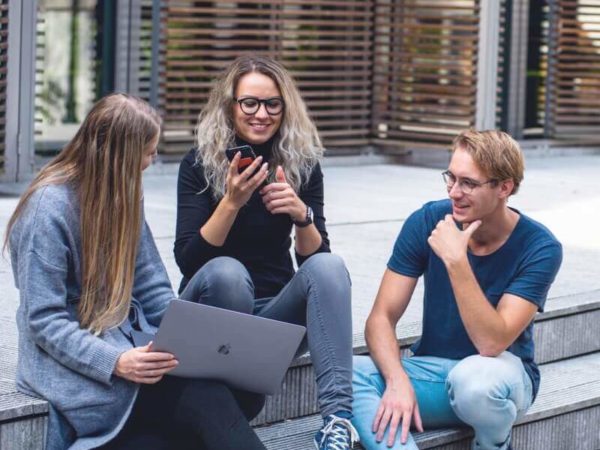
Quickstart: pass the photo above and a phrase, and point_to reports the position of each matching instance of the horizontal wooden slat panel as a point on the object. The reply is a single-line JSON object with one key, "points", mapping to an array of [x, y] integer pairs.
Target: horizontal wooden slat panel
{"points": [[269, 22], [409, 67], [244, 43], [426, 66], [582, 90], [279, 53], [219, 65], [576, 66], [418, 133], [199, 13], [326, 45], [303, 33], [407, 75]]}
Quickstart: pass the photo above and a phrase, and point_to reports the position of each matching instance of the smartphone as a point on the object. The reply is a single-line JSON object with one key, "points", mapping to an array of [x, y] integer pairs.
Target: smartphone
{"points": [[247, 156]]}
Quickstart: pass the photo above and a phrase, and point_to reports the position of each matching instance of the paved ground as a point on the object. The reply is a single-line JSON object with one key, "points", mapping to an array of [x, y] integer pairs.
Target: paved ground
{"points": [[367, 204]]}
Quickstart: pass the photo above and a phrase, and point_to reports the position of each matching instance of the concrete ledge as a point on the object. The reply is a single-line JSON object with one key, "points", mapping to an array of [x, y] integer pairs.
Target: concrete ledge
{"points": [[565, 415], [567, 328], [24, 434], [14, 405]]}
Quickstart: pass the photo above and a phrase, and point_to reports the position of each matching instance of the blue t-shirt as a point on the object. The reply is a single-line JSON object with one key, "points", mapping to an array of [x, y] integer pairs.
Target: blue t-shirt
{"points": [[525, 265]]}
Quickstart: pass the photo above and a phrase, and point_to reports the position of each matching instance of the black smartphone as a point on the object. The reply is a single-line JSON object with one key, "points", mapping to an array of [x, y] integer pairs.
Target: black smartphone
{"points": [[247, 156]]}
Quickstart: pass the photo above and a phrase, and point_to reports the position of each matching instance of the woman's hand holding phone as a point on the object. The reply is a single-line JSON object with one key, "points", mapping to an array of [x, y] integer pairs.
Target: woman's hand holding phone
{"points": [[241, 185]]}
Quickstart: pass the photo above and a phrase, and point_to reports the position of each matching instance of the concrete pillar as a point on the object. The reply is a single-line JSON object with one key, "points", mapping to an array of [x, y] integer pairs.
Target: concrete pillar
{"points": [[20, 91], [487, 65]]}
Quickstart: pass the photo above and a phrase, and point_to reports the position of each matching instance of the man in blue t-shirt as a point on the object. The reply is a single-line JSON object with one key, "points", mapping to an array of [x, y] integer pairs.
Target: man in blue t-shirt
{"points": [[487, 269]]}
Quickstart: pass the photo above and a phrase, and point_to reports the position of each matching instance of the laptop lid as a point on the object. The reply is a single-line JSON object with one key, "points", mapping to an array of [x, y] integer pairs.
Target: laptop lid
{"points": [[245, 351]]}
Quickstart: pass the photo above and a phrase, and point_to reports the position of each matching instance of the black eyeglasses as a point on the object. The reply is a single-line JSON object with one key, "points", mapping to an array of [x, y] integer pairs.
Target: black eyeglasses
{"points": [[466, 185], [250, 105]]}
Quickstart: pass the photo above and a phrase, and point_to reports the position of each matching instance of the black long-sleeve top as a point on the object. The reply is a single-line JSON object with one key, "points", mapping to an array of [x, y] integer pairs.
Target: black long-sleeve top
{"points": [[258, 239]]}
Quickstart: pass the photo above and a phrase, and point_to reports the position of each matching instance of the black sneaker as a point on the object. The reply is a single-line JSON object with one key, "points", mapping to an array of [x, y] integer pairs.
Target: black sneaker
{"points": [[337, 434]]}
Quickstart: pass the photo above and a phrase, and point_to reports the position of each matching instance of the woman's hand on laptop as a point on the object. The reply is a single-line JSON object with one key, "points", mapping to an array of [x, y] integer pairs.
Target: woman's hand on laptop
{"points": [[142, 365]]}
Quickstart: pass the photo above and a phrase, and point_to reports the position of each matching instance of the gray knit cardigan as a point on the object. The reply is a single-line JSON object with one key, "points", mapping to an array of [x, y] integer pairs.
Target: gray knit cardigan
{"points": [[58, 360]]}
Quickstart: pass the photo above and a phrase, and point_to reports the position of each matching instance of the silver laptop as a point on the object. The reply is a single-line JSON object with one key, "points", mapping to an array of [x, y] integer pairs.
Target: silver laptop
{"points": [[246, 352]]}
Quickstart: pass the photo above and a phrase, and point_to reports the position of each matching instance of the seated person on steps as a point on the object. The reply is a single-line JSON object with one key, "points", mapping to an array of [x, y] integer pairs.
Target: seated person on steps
{"points": [[487, 270], [234, 227]]}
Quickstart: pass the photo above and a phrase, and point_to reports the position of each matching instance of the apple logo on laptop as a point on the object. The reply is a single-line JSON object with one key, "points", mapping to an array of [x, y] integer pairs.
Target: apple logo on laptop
{"points": [[224, 349]]}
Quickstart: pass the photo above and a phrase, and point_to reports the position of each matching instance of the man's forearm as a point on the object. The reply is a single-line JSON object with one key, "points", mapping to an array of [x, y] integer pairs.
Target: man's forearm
{"points": [[484, 325], [383, 348]]}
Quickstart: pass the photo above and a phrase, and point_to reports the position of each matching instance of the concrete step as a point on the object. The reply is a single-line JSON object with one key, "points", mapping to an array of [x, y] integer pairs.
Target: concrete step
{"points": [[565, 415], [23, 419], [567, 328]]}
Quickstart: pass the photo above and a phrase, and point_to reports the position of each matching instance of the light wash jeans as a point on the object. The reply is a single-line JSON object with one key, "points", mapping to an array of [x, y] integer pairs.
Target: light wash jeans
{"points": [[488, 394], [318, 297]]}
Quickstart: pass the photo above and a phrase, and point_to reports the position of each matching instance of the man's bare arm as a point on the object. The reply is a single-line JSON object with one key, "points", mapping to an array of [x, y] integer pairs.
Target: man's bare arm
{"points": [[492, 330], [398, 403]]}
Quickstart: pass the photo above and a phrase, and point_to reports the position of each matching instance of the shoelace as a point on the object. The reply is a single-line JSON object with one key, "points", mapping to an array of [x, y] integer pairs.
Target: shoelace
{"points": [[337, 430]]}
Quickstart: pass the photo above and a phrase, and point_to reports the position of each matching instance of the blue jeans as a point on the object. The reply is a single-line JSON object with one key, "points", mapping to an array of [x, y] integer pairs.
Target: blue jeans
{"points": [[318, 297], [488, 394]]}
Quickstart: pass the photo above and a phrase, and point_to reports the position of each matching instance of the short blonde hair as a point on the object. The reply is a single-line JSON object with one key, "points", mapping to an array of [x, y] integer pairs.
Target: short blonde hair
{"points": [[495, 152]]}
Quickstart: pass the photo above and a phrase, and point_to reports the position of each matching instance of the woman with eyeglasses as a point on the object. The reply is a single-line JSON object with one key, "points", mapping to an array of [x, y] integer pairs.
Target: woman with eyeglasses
{"points": [[234, 226]]}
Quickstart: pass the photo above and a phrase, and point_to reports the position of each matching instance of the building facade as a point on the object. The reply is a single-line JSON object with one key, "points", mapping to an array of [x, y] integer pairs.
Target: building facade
{"points": [[377, 75]]}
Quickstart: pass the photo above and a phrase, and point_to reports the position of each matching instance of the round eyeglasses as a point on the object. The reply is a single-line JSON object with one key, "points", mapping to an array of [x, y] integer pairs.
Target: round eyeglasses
{"points": [[466, 185], [250, 105]]}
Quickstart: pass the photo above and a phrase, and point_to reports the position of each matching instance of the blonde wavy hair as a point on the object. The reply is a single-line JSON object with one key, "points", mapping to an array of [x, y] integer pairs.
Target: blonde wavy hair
{"points": [[297, 147], [104, 164]]}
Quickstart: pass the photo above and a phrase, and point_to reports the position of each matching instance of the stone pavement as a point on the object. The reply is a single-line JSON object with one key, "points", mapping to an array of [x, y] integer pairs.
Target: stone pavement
{"points": [[366, 205]]}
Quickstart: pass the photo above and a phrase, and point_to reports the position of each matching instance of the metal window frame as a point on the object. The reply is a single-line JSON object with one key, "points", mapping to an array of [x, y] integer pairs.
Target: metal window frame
{"points": [[487, 65], [127, 47], [515, 88], [20, 92], [20, 158]]}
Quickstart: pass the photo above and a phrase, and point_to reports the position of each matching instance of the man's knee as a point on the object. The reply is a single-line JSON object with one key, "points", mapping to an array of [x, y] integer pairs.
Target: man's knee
{"points": [[479, 385]]}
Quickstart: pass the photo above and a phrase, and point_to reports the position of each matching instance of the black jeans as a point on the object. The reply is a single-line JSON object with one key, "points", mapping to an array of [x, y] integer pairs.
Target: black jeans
{"points": [[181, 414]]}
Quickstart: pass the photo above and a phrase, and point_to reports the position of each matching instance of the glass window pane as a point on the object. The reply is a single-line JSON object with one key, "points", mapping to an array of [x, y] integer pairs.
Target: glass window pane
{"points": [[67, 65]]}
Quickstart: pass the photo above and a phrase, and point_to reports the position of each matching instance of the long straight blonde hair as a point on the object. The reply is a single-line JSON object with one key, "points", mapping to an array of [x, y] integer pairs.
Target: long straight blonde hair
{"points": [[104, 164], [297, 147]]}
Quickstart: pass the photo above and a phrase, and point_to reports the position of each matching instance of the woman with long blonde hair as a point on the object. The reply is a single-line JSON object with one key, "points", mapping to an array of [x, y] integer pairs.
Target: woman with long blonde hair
{"points": [[88, 274], [234, 225]]}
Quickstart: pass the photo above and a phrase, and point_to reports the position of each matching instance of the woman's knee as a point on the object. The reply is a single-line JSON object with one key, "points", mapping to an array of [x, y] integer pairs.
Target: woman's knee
{"points": [[325, 263], [223, 282], [329, 271], [225, 272]]}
